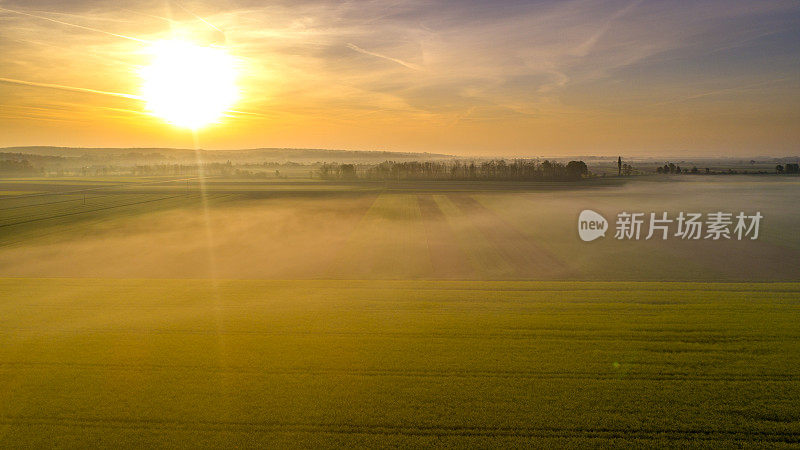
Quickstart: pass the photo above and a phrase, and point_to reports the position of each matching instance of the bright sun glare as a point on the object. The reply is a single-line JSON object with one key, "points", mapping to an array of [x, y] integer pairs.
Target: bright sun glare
{"points": [[189, 85]]}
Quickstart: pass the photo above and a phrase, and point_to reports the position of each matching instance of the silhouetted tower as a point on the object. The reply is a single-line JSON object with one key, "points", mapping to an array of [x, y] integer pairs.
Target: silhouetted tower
{"points": [[619, 165]]}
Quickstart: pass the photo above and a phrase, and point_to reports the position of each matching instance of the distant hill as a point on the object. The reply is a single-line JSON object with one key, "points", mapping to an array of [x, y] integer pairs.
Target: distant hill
{"points": [[174, 155]]}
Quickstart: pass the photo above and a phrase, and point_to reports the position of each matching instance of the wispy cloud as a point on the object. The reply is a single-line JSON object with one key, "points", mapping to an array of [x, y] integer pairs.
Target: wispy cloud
{"points": [[388, 58], [523, 70]]}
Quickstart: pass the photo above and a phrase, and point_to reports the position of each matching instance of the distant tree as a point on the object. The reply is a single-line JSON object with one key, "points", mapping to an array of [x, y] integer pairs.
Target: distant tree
{"points": [[779, 169], [577, 169], [17, 167], [501, 170], [547, 168], [659, 169], [792, 168], [347, 171], [627, 169], [619, 165], [694, 169], [326, 171], [678, 169], [671, 168]]}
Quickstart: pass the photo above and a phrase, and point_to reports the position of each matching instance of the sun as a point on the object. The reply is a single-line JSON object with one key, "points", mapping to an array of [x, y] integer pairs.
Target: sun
{"points": [[189, 85]]}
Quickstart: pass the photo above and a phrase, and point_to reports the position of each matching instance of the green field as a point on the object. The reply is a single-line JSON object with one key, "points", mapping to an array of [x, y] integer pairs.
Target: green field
{"points": [[308, 314], [196, 363]]}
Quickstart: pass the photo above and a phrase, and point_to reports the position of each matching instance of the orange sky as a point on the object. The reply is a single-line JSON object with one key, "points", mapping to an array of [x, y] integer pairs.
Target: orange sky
{"points": [[466, 77]]}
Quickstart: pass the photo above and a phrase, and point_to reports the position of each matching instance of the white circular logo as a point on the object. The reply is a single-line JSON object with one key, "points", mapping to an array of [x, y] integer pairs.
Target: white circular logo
{"points": [[591, 225]]}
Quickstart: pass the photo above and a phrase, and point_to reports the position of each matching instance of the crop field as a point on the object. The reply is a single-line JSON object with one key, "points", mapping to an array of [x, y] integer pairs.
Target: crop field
{"points": [[162, 312], [237, 362]]}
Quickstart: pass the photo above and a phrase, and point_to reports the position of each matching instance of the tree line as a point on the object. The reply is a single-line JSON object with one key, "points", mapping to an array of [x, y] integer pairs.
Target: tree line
{"points": [[18, 167], [671, 168], [789, 168], [500, 169]]}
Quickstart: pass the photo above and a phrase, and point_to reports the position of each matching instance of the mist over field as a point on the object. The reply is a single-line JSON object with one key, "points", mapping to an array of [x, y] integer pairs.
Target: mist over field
{"points": [[283, 232], [382, 224], [252, 312]]}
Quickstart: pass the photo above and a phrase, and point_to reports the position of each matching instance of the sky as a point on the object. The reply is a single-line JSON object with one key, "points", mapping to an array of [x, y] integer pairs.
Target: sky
{"points": [[465, 77]]}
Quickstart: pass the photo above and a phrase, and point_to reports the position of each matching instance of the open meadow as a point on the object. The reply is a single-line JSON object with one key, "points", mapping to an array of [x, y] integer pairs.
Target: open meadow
{"points": [[305, 313]]}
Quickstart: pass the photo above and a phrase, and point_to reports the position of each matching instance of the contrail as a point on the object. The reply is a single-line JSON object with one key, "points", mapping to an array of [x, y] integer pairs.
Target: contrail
{"points": [[68, 88], [130, 111], [74, 25], [29, 117], [165, 19], [86, 17], [103, 58], [67, 113], [587, 46], [721, 91], [248, 113], [197, 17], [388, 58]]}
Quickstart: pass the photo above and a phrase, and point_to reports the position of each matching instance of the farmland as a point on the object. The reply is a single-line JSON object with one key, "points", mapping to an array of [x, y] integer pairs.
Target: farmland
{"points": [[160, 228], [191, 362], [309, 313]]}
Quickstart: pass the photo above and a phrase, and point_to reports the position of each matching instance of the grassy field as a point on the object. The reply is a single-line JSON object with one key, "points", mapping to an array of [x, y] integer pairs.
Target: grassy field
{"points": [[312, 314], [194, 363]]}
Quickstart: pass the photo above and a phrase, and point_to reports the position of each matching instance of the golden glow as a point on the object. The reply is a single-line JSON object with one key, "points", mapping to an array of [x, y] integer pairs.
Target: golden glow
{"points": [[189, 85], [594, 81]]}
